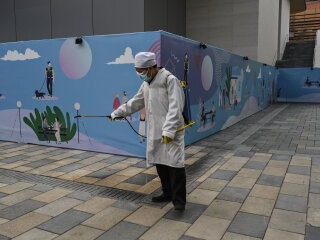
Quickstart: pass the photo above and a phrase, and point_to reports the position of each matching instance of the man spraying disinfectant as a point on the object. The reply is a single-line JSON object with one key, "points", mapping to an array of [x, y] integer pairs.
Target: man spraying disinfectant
{"points": [[162, 96]]}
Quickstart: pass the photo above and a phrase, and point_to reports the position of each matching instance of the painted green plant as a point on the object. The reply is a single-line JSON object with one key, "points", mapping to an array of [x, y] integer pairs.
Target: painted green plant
{"points": [[228, 81], [67, 131]]}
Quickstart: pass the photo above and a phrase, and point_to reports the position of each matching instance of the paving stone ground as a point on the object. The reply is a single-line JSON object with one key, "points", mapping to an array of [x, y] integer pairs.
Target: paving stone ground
{"points": [[256, 180]]}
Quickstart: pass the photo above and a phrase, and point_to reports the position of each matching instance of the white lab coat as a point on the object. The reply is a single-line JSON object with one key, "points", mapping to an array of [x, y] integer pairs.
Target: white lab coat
{"points": [[163, 100]]}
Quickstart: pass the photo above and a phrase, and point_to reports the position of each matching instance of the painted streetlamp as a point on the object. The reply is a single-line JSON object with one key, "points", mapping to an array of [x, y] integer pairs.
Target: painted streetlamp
{"points": [[77, 107], [19, 107]]}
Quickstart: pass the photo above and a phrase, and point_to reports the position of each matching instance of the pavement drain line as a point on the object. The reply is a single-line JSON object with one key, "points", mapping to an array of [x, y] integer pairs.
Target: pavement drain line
{"points": [[193, 172], [93, 190], [241, 138]]}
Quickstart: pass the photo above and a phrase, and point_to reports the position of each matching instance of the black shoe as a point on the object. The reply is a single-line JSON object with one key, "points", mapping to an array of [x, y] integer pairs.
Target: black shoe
{"points": [[179, 207], [161, 198]]}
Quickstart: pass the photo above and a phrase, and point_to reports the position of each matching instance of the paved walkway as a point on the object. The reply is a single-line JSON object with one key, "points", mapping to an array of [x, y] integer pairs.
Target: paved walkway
{"points": [[259, 179]]}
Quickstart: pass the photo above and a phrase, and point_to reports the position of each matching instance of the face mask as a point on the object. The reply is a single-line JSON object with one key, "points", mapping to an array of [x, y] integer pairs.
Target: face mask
{"points": [[144, 77]]}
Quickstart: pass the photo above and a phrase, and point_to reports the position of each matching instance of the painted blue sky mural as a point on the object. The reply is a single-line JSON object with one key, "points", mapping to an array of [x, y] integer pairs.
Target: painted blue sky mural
{"points": [[94, 78], [299, 85]]}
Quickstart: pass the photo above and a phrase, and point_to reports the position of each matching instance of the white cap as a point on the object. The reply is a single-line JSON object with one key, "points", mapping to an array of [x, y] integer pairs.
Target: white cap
{"points": [[144, 60]]}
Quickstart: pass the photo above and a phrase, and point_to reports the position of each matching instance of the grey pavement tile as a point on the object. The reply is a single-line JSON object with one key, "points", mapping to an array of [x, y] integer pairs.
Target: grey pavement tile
{"points": [[13, 145], [309, 152], [302, 170], [315, 161], [192, 186], [249, 224], [243, 148], [312, 233], [84, 155], [141, 179], [141, 164], [190, 215], [282, 152], [314, 200], [102, 173], [8, 180], [57, 152], [222, 161], [70, 167], [41, 188], [255, 165], [233, 194], [20, 209], [4, 238], [292, 203], [3, 195], [314, 187], [40, 163], [33, 149], [14, 159], [281, 157], [223, 174], [184, 237], [114, 159], [124, 231], [187, 155], [65, 221], [243, 154], [269, 180], [128, 205], [80, 195]]}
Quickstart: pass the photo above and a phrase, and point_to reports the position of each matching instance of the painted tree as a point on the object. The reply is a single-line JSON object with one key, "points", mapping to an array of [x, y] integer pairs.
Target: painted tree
{"points": [[35, 123]]}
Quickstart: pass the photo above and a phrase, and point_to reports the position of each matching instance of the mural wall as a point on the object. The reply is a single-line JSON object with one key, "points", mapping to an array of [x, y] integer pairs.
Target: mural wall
{"points": [[299, 85], [224, 88], [45, 84]]}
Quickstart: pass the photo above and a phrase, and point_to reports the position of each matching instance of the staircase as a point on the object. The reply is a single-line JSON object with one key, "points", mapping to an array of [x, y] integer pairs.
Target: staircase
{"points": [[297, 55]]}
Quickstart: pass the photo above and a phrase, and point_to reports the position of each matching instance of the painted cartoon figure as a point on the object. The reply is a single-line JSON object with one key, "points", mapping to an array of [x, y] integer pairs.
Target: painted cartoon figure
{"points": [[213, 112], [116, 101], [186, 68], [49, 74], [232, 97], [45, 128], [220, 98], [308, 82], [124, 98], [203, 114], [56, 127], [142, 125]]}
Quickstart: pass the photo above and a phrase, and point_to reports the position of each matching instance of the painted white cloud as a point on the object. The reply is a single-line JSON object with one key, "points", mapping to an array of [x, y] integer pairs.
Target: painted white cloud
{"points": [[248, 69], [16, 56], [259, 74], [126, 58]]}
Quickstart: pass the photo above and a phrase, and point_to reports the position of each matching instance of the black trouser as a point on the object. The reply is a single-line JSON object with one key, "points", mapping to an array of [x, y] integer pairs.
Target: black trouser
{"points": [[49, 86], [173, 182]]}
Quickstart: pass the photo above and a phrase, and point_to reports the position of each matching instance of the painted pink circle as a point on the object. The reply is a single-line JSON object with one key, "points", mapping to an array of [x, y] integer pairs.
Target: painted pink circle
{"points": [[75, 59], [206, 73]]}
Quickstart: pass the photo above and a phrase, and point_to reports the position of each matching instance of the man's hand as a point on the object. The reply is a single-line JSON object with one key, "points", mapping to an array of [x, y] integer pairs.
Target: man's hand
{"points": [[115, 118], [166, 139]]}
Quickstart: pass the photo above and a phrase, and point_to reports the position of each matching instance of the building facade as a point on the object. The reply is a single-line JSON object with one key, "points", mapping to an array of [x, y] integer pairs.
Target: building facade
{"points": [[258, 29]]}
